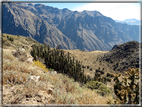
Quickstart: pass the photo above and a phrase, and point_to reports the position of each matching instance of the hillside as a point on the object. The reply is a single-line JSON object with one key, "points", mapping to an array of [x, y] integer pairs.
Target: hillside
{"points": [[53, 87], [87, 30], [50, 88], [123, 56], [119, 59]]}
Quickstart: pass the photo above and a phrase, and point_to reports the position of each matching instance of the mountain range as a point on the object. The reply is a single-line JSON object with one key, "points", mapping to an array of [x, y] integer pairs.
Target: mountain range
{"points": [[87, 30], [130, 21]]}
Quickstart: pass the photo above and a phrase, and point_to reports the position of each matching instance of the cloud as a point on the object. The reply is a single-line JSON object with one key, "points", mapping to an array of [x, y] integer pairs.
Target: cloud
{"points": [[117, 11]]}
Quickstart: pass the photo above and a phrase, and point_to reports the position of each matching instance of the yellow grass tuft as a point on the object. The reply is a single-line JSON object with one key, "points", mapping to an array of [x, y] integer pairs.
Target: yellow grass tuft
{"points": [[39, 64]]}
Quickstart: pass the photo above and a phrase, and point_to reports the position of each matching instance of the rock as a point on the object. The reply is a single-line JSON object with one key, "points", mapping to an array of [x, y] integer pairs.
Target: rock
{"points": [[50, 91], [29, 60], [38, 99], [22, 49], [53, 72], [34, 78], [51, 86]]}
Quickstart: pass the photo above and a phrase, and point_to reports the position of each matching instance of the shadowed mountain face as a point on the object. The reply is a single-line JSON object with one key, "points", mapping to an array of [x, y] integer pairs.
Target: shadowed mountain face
{"points": [[123, 56], [87, 30]]}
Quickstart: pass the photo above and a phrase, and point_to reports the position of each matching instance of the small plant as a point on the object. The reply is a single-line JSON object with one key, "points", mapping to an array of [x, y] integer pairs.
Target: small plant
{"points": [[88, 67], [108, 74], [83, 66], [10, 38], [38, 63], [50, 69], [108, 79], [102, 72]]}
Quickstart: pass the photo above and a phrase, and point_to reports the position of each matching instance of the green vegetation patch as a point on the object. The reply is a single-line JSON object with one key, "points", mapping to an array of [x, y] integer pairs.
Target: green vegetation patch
{"points": [[99, 86]]}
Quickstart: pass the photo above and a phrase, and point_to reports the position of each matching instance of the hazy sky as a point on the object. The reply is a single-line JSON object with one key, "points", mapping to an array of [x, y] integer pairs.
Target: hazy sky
{"points": [[117, 11]]}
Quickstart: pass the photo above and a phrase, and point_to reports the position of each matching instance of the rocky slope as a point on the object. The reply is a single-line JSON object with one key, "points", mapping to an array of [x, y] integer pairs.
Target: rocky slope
{"points": [[87, 30], [123, 56]]}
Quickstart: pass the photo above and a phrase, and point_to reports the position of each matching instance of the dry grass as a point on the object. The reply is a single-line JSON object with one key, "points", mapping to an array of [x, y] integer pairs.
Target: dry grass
{"points": [[14, 70], [7, 55], [16, 65], [69, 92], [66, 91], [14, 77]]}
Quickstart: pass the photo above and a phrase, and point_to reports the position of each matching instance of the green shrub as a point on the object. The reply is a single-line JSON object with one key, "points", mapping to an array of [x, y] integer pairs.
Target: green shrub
{"points": [[10, 38], [102, 72], [108, 74], [83, 66], [108, 79], [99, 86]]}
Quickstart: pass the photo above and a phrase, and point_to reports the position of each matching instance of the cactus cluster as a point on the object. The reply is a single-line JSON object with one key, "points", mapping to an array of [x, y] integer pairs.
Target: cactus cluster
{"points": [[56, 59], [127, 90]]}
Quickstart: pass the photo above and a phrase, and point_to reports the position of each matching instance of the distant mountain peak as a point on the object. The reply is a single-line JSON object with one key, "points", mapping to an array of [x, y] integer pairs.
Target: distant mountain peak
{"points": [[65, 9], [132, 21]]}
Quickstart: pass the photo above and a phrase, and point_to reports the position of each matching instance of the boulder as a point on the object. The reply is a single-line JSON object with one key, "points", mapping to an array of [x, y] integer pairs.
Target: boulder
{"points": [[53, 72], [34, 78], [29, 60]]}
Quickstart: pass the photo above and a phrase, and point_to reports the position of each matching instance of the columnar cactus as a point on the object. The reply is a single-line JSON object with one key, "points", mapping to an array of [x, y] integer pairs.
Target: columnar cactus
{"points": [[55, 58]]}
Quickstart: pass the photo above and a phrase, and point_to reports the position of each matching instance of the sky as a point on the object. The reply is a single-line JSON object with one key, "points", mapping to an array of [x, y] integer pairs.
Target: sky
{"points": [[117, 11]]}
